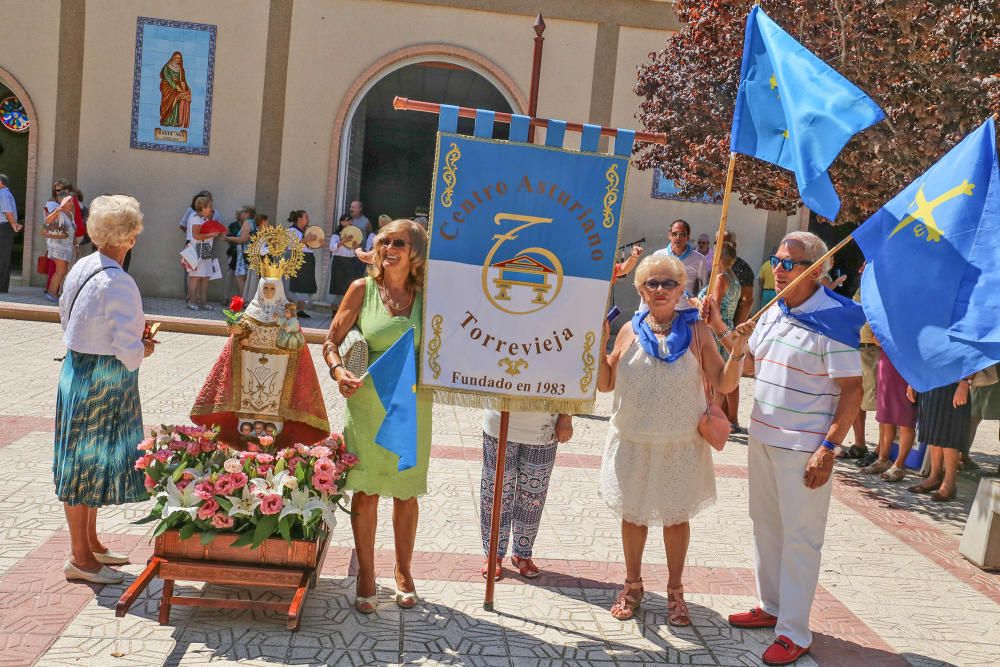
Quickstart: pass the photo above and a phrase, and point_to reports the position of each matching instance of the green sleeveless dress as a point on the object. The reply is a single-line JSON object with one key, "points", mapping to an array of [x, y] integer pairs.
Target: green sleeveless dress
{"points": [[376, 471]]}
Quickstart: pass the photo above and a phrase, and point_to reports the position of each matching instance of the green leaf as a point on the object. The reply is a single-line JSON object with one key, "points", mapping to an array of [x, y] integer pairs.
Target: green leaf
{"points": [[285, 527], [187, 530], [300, 473], [279, 466], [146, 519], [163, 527], [244, 540], [207, 536], [155, 472], [223, 503], [265, 529]]}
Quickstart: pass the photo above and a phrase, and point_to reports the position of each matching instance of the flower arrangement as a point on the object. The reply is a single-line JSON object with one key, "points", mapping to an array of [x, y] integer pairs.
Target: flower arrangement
{"points": [[207, 487], [235, 311]]}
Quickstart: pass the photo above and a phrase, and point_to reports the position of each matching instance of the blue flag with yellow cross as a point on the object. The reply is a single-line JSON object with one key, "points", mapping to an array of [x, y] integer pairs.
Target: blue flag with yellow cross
{"points": [[931, 288], [394, 375], [795, 111]]}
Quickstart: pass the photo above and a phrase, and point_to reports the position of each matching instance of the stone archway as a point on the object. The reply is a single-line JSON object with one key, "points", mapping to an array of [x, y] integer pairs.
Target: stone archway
{"points": [[421, 53], [31, 177]]}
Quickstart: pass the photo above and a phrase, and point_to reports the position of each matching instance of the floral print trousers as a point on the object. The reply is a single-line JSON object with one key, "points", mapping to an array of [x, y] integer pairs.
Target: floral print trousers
{"points": [[525, 485]]}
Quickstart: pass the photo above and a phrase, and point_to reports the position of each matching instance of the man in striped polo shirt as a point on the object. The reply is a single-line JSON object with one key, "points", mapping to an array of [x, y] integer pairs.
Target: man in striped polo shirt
{"points": [[806, 395]]}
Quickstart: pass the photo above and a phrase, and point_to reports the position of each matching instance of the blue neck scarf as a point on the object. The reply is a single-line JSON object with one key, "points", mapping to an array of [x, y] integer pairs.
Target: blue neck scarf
{"points": [[687, 251], [842, 324], [677, 341]]}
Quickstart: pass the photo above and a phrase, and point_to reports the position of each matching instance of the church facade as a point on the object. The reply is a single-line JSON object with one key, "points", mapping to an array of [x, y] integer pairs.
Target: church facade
{"points": [[286, 104]]}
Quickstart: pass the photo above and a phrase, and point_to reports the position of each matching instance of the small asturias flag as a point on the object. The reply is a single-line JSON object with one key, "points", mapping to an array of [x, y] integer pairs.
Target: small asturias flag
{"points": [[795, 111], [931, 288], [394, 375]]}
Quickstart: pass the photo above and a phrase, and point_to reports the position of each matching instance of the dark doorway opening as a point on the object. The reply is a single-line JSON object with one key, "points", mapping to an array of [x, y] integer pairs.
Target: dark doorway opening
{"points": [[14, 163], [391, 159]]}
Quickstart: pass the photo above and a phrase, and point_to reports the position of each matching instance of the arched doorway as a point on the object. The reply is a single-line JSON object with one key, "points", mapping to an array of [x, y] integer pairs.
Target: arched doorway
{"points": [[391, 153], [18, 160]]}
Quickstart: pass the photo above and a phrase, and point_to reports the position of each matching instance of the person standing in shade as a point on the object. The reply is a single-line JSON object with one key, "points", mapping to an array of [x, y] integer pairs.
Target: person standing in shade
{"points": [[705, 248], [695, 268], [532, 439], [765, 278], [302, 285], [199, 274], [98, 422], [806, 395], [8, 228], [944, 416], [359, 220], [744, 274], [247, 219]]}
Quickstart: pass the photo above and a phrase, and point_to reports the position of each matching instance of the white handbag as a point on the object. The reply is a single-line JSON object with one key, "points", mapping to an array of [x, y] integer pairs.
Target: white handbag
{"points": [[190, 256], [354, 352]]}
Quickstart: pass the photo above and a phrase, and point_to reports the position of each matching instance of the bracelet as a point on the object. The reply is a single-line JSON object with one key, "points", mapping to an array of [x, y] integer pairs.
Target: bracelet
{"points": [[722, 336], [829, 445], [335, 367]]}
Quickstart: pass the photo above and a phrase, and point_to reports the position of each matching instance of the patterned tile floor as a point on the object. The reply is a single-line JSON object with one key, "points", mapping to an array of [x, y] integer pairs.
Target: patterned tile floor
{"points": [[893, 589]]}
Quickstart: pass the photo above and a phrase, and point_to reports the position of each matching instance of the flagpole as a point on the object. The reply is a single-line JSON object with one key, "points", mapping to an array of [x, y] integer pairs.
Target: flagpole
{"points": [[818, 263], [491, 563], [722, 222]]}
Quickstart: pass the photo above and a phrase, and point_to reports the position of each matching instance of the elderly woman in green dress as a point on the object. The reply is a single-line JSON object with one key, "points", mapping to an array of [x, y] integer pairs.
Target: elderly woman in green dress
{"points": [[384, 305]]}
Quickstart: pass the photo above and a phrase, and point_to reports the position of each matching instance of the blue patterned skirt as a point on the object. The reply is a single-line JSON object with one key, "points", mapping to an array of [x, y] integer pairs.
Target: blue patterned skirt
{"points": [[98, 426]]}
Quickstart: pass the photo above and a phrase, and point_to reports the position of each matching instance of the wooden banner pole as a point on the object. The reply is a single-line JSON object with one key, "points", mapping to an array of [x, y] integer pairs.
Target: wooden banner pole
{"points": [[722, 222], [406, 104], [805, 274], [491, 563], [536, 72]]}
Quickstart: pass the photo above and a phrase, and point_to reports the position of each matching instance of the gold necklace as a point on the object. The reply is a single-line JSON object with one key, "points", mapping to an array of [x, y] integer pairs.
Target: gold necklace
{"points": [[658, 328], [392, 305]]}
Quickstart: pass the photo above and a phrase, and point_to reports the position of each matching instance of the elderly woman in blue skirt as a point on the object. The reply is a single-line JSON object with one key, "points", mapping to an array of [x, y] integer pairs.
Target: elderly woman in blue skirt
{"points": [[98, 417]]}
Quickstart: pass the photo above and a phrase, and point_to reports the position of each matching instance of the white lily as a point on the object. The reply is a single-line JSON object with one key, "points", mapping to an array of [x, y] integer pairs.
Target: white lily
{"points": [[271, 484], [301, 504], [179, 500], [329, 512], [245, 504]]}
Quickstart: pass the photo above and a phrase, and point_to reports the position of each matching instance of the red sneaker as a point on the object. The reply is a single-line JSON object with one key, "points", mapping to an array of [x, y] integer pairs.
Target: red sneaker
{"points": [[755, 618], [783, 652]]}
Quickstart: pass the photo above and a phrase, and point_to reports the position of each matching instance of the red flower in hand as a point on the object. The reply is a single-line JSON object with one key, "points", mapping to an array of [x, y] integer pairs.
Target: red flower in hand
{"points": [[236, 304]]}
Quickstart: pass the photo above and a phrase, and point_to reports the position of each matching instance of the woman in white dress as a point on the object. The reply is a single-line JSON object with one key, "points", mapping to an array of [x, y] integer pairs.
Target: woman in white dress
{"points": [[656, 468], [59, 231]]}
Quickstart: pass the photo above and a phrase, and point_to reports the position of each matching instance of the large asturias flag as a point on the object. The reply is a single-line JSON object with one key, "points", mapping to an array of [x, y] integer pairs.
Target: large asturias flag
{"points": [[931, 289], [394, 375], [795, 111]]}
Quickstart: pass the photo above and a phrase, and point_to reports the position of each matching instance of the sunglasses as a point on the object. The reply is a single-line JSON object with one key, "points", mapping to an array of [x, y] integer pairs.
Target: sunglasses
{"points": [[675, 235], [653, 285], [787, 264], [395, 243]]}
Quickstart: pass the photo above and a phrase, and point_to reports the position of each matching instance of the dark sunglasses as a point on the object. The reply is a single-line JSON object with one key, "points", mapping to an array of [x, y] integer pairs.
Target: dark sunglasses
{"points": [[653, 285], [395, 243], [787, 264]]}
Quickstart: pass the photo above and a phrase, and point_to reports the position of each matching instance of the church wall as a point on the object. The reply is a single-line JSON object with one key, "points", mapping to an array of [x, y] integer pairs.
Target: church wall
{"points": [[30, 52], [165, 182], [332, 45]]}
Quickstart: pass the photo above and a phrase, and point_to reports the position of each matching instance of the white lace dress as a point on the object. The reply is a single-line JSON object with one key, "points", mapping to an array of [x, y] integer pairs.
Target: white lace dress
{"points": [[657, 469]]}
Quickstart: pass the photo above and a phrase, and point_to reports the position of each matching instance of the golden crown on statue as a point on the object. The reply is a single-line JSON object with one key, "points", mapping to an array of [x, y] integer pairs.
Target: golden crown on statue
{"points": [[274, 253]]}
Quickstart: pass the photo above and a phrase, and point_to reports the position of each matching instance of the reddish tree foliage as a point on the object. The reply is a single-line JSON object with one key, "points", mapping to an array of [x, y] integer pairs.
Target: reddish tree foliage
{"points": [[932, 65]]}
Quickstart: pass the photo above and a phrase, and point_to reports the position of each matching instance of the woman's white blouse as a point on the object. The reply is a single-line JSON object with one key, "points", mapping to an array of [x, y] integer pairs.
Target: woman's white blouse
{"points": [[107, 318]]}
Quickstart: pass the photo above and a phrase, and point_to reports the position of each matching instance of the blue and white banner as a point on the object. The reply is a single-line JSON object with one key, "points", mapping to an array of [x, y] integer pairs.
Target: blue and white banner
{"points": [[522, 250]]}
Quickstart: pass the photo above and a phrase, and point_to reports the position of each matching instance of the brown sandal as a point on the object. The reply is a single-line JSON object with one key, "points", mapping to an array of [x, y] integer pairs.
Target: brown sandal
{"points": [[626, 605], [677, 610]]}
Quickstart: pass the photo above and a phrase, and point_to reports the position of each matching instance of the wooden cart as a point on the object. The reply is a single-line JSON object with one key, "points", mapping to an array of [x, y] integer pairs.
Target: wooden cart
{"points": [[275, 564]]}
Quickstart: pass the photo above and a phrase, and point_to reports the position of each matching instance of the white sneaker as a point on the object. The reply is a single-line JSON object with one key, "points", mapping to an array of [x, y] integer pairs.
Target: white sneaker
{"points": [[192, 306], [109, 557], [103, 576]]}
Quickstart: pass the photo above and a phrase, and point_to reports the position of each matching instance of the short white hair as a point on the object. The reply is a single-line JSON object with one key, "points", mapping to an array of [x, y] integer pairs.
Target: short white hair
{"points": [[656, 260], [813, 248], [114, 220]]}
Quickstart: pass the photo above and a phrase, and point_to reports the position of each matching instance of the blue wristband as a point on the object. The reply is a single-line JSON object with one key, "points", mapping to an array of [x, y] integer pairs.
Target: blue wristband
{"points": [[829, 445]]}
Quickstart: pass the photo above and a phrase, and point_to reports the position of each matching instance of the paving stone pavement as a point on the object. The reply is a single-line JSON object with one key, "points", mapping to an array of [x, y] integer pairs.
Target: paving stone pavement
{"points": [[893, 589]]}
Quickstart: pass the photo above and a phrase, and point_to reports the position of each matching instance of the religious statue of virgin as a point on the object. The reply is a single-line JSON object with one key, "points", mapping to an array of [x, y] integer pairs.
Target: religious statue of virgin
{"points": [[264, 381]]}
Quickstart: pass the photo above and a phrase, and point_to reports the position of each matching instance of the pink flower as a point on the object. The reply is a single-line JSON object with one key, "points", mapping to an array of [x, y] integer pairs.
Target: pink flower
{"points": [[302, 449], [162, 455], [146, 445], [322, 481], [238, 479], [208, 509], [319, 452], [222, 521], [186, 476], [144, 461], [324, 465], [341, 468], [207, 446], [232, 465], [265, 458], [286, 453], [193, 448], [204, 489], [266, 440], [349, 459], [271, 504], [182, 484], [294, 462], [177, 445], [150, 483], [264, 469], [224, 486]]}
